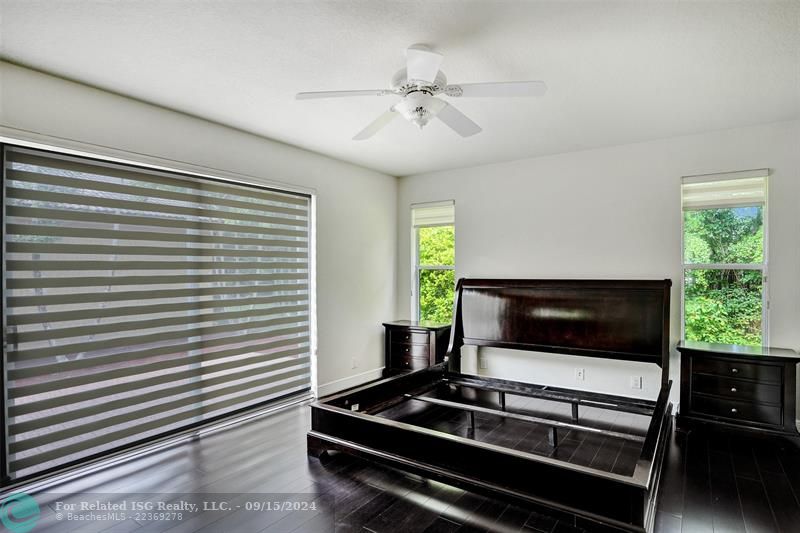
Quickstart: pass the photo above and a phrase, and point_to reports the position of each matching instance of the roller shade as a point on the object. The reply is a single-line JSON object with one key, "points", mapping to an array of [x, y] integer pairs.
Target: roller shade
{"points": [[433, 214], [141, 302], [716, 191]]}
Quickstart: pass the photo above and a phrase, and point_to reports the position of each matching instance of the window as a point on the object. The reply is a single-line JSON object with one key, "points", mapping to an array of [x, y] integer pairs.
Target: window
{"points": [[724, 257], [142, 302], [434, 261]]}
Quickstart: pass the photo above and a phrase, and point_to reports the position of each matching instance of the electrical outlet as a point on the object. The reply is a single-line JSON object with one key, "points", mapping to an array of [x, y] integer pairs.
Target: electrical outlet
{"points": [[580, 374], [636, 382], [353, 363], [484, 364]]}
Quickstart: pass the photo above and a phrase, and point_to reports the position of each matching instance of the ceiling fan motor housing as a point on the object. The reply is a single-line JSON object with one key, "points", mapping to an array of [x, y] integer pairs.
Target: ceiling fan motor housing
{"points": [[402, 85]]}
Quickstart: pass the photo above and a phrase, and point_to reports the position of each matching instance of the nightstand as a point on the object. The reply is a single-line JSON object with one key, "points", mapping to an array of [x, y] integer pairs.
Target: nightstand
{"points": [[751, 387], [412, 345]]}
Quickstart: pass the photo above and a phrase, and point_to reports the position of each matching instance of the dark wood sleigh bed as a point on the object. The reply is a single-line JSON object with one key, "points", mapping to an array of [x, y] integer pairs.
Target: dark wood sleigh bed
{"points": [[592, 458]]}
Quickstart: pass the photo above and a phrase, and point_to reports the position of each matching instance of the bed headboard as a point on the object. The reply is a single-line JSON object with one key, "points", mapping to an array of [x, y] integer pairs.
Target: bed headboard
{"points": [[616, 319]]}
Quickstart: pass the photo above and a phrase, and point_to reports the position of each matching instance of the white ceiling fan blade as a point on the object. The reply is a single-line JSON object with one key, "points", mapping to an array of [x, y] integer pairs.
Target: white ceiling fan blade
{"points": [[422, 64], [500, 89], [341, 94], [458, 121], [375, 126]]}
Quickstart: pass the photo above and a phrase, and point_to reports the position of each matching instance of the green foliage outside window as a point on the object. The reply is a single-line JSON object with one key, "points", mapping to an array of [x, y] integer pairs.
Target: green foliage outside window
{"points": [[436, 291], [437, 245], [436, 287], [723, 305]]}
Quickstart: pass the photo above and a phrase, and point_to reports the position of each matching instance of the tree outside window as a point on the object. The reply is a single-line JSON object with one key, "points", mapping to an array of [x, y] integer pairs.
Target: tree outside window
{"points": [[436, 283]]}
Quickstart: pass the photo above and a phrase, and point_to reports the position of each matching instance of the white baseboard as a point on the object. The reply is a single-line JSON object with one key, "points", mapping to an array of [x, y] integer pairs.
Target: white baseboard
{"points": [[350, 381]]}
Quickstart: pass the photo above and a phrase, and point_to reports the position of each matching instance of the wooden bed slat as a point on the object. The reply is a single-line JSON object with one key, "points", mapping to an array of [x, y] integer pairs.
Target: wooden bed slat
{"points": [[528, 418]]}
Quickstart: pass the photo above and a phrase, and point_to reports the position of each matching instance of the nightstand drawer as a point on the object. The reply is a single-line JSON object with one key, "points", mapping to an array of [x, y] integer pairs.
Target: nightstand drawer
{"points": [[736, 410], [410, 350], [737, 369], [409, 337], [736, 389], [410, 363]]}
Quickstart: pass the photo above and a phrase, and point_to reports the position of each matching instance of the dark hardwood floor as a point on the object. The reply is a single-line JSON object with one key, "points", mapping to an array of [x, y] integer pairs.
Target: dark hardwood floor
{"points": [[713, 481]]}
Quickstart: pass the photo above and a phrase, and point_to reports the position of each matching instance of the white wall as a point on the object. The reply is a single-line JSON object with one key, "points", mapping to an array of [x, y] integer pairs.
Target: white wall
{"points": [[356, 207], [607, 213]]}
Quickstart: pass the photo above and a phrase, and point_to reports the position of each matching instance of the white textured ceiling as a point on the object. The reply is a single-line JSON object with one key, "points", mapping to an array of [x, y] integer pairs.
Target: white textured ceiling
{"points": [[617, 72]]}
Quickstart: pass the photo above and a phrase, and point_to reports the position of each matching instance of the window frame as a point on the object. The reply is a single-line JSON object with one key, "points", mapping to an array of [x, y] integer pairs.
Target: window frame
{"points": [[416, 268], [763, 266]]}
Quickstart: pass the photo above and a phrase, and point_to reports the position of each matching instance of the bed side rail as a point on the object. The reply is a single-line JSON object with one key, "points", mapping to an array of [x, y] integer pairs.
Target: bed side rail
{"points": [[653, 430]]}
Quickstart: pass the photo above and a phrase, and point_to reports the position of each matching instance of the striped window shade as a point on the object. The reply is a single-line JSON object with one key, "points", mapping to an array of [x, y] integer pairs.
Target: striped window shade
{"points": [[140, 303], [717, 191]]}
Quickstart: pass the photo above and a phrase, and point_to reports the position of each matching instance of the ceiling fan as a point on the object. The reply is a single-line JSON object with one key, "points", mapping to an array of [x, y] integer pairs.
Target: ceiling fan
{"points": [[419, 83]]}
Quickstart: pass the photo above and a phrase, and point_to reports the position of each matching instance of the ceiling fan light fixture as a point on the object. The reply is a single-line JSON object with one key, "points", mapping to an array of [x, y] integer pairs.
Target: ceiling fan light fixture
{"points": [[419, 108]]}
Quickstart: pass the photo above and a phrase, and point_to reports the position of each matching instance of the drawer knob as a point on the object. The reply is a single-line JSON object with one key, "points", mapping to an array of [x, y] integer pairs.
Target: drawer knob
{"points": [[408, 337], [734, 370], [406, 350], [734, 410], [733, 389]]}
